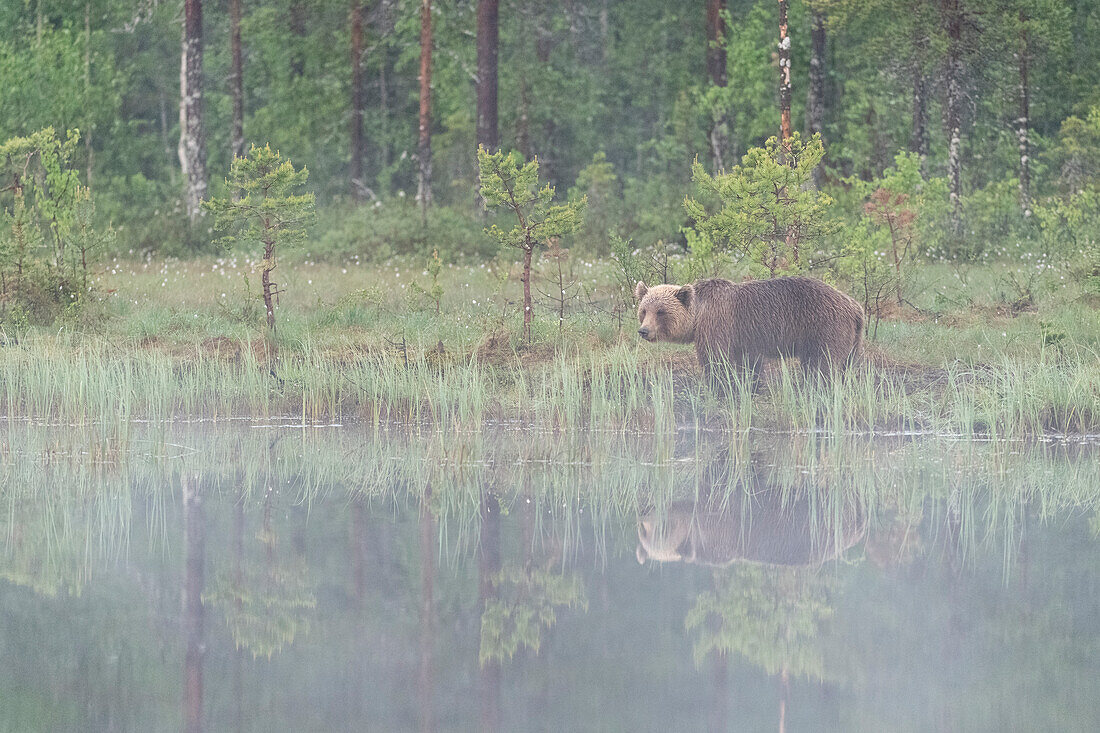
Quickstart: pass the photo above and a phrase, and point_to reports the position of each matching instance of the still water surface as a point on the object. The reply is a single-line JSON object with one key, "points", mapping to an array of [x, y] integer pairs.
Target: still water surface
{"points": [[241, 576]]}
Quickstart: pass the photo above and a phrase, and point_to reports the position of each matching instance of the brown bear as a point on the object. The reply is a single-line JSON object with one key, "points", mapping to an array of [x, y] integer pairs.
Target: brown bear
{"points": [[741, 324]]}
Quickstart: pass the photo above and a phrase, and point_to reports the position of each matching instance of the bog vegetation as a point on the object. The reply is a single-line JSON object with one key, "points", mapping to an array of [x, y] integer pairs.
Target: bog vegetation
{"points": [[607, 146]]}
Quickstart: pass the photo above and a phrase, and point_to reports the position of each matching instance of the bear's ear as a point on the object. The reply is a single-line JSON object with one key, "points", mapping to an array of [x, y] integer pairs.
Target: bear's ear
{"points": [[684, 295], [640, 290]]}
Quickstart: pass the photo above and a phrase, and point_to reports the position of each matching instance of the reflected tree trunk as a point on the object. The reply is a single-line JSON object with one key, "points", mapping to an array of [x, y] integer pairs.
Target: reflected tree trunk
{"points": [[238, 601], [358, 551], [194, 541], [719, 711], [488, 565], [426, 671], [784, 696]]}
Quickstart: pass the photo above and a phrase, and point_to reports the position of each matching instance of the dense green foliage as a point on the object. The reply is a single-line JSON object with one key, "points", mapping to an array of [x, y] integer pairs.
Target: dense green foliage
{"points": [[613, 98], [47, 233]]}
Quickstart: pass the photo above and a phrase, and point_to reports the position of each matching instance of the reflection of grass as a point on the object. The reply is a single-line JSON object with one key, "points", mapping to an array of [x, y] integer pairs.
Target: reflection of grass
{"points": [[63, 512]]}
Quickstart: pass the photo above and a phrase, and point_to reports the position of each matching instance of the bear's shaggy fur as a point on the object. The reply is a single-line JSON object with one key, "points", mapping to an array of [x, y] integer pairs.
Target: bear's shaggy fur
{"points": [[741, 324]]}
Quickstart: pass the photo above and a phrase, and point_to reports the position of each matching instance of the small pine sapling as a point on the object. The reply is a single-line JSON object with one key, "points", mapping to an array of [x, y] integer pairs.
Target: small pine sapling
{"points": [[434, 293], [766, 209], [512, 185], [266, 212], [559, 256]]}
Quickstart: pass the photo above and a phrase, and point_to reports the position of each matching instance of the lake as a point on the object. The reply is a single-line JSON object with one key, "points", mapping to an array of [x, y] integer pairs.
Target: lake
{"points": [[240, 575]]}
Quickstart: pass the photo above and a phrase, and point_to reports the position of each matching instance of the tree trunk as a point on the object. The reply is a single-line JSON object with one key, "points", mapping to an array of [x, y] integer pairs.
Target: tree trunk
{"points": [[918, 143], [815, 102], [236, 81], [192, 611], [1023, 123], [952, 20], [424, 148], [355, 167], [487, 46], [523, 126], [268, 287], [298, 26], [716, 73], [784, 73], [87, 132], [527, 306], [192, 147], [385, 17]]}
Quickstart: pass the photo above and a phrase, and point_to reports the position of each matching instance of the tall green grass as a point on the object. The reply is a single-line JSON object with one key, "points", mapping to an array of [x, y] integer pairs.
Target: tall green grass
{"points": [[620, 388]]}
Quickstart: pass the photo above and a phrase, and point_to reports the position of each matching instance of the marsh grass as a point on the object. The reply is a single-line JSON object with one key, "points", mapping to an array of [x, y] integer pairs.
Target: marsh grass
{"points": [[622, 388], [179, 340]]}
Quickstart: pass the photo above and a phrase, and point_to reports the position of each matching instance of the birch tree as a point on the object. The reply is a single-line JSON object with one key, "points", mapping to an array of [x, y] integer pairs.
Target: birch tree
{"points": [[355, 138], [236, 80], [784, 73], [424, 146], [192, 146]]}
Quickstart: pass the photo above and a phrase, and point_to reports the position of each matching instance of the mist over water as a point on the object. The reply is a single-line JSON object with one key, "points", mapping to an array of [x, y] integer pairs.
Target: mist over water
{"points": [[247, 576]]}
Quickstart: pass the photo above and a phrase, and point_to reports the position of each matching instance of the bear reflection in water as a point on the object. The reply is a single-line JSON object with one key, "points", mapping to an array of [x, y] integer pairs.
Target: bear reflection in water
{"points": [[754, 523]]}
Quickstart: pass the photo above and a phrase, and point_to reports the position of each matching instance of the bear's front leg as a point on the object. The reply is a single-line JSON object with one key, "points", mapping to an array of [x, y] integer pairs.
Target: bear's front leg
{"points": [[725, 373]]}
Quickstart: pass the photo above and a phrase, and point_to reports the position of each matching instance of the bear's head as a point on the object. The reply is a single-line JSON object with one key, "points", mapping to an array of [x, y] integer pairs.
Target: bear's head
{"points": [[664, 313]]}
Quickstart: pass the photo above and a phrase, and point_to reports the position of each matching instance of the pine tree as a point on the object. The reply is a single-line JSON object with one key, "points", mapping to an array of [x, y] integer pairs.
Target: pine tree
{"points": [[268, 211], [510, 184]]}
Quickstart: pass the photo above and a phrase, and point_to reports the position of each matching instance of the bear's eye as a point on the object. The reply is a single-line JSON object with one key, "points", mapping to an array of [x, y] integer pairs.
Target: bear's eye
{"points": [[660, 313]]}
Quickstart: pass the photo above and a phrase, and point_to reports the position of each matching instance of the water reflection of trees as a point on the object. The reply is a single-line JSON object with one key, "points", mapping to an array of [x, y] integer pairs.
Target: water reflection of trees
{"points": [[66, 531], [265, 599], [767, 533]]}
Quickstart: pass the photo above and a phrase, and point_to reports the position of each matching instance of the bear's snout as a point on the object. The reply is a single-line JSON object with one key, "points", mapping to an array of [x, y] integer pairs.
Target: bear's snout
{"points": [[644, 333]]}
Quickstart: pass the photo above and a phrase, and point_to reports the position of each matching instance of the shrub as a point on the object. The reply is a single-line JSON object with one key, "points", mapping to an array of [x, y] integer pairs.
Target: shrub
{"points": [[379, 231], [764, 209]]}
